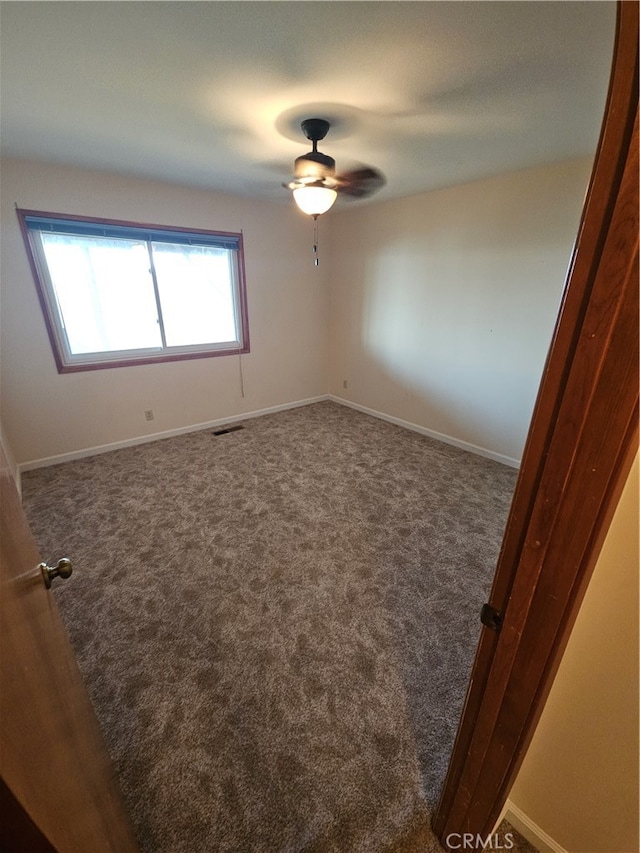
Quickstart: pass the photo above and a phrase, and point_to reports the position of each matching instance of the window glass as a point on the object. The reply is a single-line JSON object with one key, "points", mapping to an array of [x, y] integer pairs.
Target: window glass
{"points": [[196, 293], [104, 293]]}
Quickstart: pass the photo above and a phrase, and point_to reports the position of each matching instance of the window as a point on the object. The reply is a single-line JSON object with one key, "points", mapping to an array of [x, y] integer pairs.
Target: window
{"points": [[116, 293]]}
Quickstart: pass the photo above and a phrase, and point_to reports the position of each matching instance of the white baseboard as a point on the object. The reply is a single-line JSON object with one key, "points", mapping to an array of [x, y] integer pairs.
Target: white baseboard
{"points": [[530, 830], [241, 416], [156, 436], [447, 439]]}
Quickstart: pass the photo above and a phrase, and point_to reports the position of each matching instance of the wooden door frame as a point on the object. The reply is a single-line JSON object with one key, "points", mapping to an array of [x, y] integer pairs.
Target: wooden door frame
{"points": [[581, 444]]}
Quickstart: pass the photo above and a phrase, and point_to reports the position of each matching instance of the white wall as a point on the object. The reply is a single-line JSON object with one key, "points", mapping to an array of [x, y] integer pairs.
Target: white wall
{"points": [[45, 413], [579, 779], [441, 309], [443, 304]]}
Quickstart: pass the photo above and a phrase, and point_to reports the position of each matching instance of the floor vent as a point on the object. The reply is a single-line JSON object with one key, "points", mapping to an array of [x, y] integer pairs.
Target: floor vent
{"points": [[225, 430]]}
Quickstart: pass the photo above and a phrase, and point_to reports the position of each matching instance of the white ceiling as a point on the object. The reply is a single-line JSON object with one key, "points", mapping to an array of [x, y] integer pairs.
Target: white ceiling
{"points": [[211, 94]]}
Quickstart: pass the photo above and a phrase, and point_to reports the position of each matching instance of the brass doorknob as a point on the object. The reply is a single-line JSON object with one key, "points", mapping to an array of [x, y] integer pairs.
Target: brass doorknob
{"points": [[63, 569]]}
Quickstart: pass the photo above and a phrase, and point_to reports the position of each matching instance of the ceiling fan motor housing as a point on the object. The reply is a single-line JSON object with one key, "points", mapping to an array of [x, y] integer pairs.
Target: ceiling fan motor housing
{"points": [[315, 169], [314, 165]]}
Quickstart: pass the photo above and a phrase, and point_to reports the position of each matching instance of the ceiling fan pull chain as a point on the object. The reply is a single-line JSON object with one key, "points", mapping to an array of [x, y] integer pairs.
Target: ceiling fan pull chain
{"points": [[315, 240]]}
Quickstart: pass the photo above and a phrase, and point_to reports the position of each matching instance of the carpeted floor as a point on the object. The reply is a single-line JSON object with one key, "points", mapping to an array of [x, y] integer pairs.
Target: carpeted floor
{"points": [[276, 625]]}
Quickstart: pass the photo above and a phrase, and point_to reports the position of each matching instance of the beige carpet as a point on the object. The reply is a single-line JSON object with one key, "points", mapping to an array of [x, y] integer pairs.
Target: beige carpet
{"points": [[276, 625]]}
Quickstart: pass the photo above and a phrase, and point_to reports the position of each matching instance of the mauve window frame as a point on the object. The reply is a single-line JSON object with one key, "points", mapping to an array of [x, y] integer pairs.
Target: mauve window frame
{"points": [[162, 357]]}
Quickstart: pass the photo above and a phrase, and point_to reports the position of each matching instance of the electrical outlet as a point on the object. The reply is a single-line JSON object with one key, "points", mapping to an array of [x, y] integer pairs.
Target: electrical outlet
{"points": [[148, 414], [344, 383]]}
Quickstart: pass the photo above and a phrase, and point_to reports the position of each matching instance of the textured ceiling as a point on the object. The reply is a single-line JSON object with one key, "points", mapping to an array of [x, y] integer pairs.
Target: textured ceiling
{"points": [[211, 94]]}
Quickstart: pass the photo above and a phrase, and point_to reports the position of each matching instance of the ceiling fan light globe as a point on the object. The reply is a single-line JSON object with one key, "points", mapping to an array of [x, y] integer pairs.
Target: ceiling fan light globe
{"points": [[314, 200]]}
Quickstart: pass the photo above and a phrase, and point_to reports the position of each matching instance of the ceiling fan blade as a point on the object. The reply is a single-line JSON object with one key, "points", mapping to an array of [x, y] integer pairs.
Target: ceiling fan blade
{"points": [[360, 183]]}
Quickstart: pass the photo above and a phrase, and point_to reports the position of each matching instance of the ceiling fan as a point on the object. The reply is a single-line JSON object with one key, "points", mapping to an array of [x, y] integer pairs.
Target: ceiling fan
{"points": [[315, 184]]}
